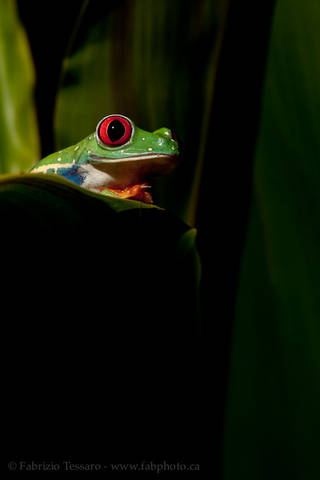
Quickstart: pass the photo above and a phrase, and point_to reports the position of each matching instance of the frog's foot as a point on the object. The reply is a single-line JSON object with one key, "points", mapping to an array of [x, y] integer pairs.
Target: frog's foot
{"points": [[134, 192]]}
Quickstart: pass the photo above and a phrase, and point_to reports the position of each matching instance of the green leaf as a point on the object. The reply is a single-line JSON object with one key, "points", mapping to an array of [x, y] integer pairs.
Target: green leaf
{"points": [[119, 251], [67, 189], [156, 63], [19, 141], [272, 416]]}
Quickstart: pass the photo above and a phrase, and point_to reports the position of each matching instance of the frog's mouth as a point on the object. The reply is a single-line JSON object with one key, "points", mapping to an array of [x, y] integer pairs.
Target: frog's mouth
{"points": [[134, 169], [160, 163]]}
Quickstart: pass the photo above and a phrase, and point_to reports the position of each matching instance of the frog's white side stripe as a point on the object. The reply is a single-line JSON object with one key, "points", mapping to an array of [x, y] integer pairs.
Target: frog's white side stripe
{"points": [[55, 166]]}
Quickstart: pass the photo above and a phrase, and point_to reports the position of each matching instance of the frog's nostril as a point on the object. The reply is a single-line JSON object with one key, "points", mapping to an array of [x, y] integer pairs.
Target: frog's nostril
{"points": [[163, 132], [166, 133]]}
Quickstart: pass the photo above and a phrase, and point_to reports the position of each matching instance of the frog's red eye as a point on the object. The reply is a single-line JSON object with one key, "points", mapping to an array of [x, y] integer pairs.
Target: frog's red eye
{"points": [[114, 130]]}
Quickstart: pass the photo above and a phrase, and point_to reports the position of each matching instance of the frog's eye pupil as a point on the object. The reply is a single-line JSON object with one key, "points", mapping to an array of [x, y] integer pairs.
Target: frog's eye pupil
{"points": [[114, 131]]}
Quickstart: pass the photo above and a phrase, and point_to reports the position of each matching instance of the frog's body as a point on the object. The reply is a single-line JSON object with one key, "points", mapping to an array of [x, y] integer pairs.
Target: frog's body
{"points": [[114, 158]]}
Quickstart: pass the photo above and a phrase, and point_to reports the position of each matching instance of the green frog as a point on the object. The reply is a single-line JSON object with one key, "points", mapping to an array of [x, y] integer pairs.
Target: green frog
{"points": [[118, 159]]}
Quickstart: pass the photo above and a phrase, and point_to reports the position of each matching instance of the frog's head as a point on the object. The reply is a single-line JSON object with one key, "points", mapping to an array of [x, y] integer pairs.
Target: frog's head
{"points": [[128, 154]]}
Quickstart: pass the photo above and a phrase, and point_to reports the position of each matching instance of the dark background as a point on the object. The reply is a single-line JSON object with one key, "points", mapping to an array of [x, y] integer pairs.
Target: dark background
{"points": [[221, 222]]}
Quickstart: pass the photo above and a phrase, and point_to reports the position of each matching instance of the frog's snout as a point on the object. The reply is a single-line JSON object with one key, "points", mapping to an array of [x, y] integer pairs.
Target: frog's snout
{"points": [[168, 140]]}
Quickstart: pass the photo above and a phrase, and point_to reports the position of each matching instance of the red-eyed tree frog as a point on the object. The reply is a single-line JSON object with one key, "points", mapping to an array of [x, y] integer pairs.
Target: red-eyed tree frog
{"points": [[118, 159]]}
